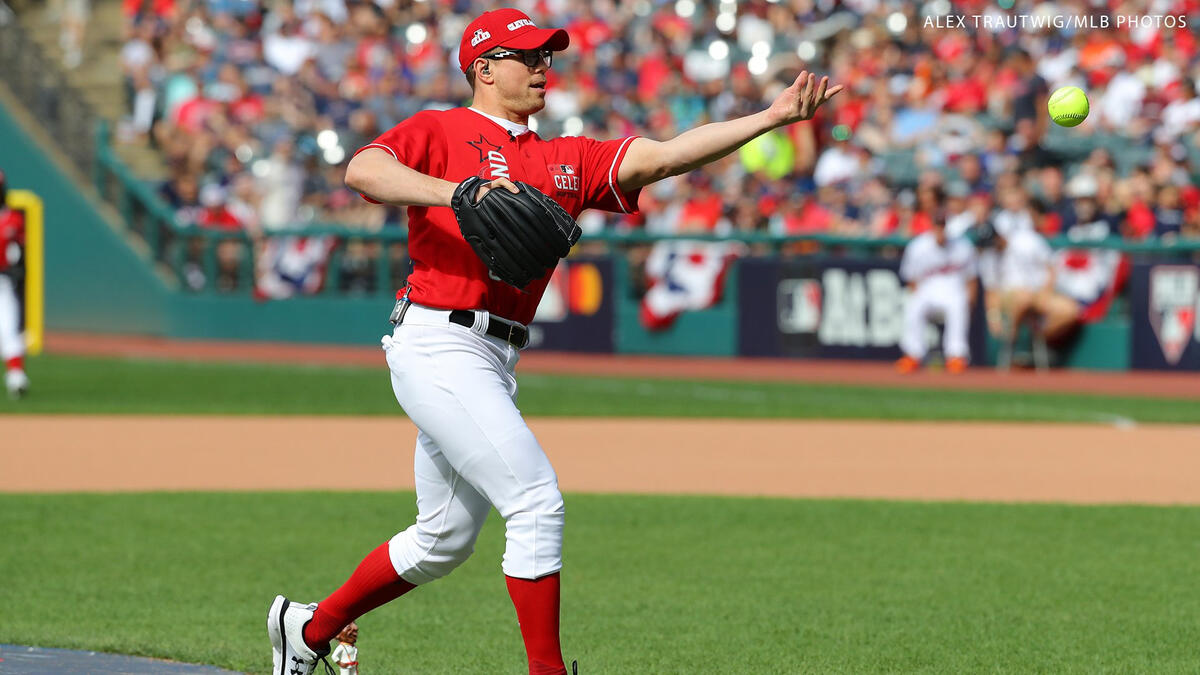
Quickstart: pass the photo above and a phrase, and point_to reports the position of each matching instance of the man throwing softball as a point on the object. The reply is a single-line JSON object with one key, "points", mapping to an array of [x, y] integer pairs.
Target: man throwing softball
{"points": [[460, 321]]}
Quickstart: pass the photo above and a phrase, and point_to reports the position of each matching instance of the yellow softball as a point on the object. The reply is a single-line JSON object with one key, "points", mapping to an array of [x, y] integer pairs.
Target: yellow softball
{"points": [[1068, 106]]}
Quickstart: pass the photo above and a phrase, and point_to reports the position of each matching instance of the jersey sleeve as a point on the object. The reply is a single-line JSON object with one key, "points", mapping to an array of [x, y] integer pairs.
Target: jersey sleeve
{"points": [[600, 161], [418, 143]]}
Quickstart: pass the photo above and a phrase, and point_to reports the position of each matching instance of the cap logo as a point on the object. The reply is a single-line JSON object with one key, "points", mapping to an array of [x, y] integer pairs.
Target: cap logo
{"points": [[479, 36], [520, 24]]}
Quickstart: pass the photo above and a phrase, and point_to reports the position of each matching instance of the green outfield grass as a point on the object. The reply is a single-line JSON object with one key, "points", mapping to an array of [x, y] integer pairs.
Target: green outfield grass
{"points": [[651, 584], [118, 386]]}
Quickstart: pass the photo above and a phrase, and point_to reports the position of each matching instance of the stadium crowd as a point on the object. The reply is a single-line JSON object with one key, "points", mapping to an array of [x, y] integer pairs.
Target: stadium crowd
{"points": [[257, 105]]}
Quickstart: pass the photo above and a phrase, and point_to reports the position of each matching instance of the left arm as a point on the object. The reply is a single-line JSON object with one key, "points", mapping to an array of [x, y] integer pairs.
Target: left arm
{"points": [[649, 161]]}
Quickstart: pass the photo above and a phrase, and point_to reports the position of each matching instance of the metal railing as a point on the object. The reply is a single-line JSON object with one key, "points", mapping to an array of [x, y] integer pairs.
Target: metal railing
{"points": [[43, 88]]}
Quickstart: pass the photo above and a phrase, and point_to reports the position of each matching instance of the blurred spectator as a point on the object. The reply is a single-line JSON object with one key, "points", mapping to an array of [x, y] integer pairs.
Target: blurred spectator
{"points": [[357, 274], [1017, 272], [840, 162], [73, 16], [1168, 212], [1088, 276], [216, 215], [1015, 213], [703, 208], [971, 173], [285, 48], [1052, 202], [960, 219], [280, 181], [183, 196], [1083, 218], [285, 89]]}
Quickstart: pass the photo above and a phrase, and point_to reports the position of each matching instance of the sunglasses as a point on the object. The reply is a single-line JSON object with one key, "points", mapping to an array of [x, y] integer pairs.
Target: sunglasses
{"points": [[530, 57]]}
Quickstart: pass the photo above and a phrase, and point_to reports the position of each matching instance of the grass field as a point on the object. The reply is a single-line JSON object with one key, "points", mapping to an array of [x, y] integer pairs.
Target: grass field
{"points": [[652, 584], [118, 386]]}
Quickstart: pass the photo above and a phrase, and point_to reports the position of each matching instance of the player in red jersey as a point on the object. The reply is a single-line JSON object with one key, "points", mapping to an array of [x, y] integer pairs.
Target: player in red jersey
{"points": [[12, 344], [458, 331]]}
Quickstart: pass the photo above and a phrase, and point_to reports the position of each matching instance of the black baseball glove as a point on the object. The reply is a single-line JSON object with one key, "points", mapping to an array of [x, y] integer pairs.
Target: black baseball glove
{"points": [[518, 236]]}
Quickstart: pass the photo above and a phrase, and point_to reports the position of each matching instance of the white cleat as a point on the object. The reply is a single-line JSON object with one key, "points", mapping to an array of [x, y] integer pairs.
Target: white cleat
{"points": [[17, 383], [285, 625]]}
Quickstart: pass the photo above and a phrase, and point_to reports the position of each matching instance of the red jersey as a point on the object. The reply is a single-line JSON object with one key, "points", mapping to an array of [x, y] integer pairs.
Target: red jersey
{"points": [[12, 231], [218, 218], [578, 173]]}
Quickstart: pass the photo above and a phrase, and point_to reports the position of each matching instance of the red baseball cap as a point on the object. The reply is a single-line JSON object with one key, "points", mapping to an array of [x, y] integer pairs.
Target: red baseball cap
{"points": [[509, 28]]}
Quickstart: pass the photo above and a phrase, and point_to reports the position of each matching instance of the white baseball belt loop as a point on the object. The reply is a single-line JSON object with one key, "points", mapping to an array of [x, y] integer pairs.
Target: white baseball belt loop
{"points": [[482, 319]]}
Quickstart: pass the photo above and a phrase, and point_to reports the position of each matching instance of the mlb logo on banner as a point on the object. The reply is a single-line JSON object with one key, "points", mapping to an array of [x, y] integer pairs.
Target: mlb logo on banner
{"points": [[1174, 295], [799, 305]]}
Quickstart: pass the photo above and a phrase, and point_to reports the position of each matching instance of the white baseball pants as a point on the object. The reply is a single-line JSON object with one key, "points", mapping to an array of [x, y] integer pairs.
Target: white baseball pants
{"points": [[473, 452], [11, 344], [930, 302]]}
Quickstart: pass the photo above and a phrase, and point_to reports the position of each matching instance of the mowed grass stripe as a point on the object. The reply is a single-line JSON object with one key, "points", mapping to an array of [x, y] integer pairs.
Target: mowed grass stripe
{"points": [[76, 385], [651, 584]]}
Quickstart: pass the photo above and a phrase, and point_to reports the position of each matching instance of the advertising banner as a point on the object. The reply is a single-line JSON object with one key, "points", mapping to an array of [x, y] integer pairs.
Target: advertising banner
{"points": [[1164, 306], [577, 312], [828, 308]]}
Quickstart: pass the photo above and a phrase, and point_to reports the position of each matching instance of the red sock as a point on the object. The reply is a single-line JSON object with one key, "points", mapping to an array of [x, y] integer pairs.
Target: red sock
{"points": [[373, 583], [16, 363], [537, 611]]}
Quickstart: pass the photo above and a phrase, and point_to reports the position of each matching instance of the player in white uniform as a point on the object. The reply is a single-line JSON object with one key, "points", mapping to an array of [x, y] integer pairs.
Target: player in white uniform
{"points": [[12, 343], [940, 272], [459, 331]]}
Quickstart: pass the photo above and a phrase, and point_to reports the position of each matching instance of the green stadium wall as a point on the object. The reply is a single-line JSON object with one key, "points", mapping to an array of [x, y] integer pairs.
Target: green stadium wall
{"points": [[95, 281], [337, 320]]}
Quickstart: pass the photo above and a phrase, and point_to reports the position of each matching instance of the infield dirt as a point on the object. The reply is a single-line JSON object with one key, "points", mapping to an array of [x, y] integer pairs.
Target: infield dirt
{"points": [[894, 460]]}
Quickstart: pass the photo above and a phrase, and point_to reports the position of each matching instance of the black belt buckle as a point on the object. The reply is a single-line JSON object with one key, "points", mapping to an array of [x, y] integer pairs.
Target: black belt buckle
{"points": [[514, 330], [517, 329]]}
